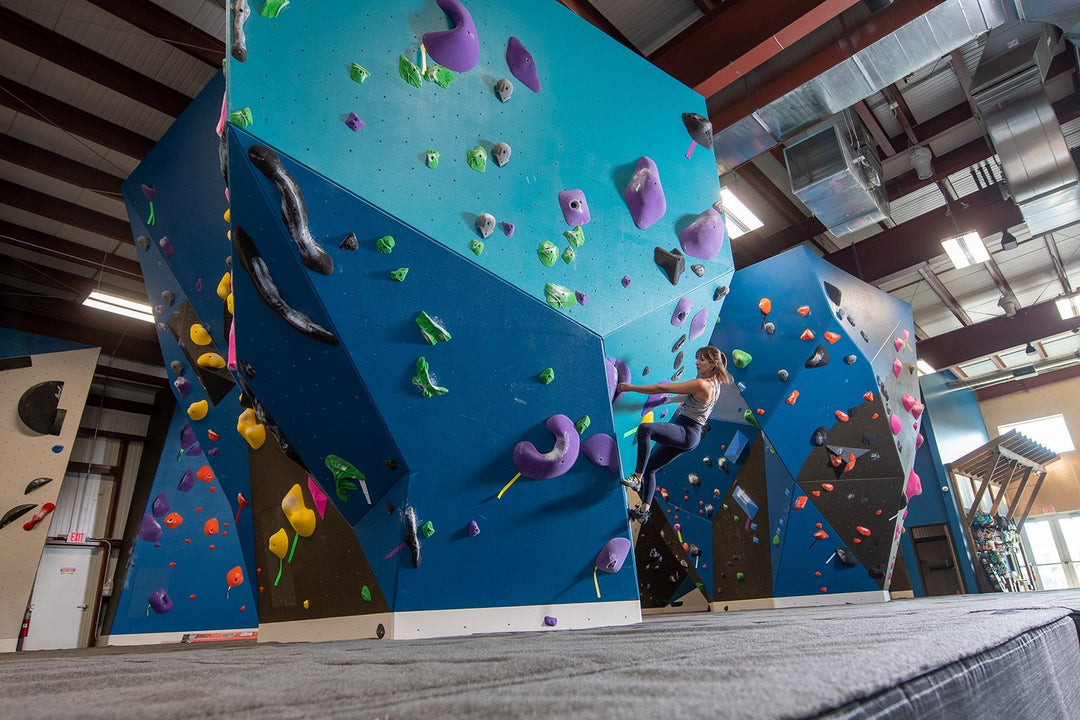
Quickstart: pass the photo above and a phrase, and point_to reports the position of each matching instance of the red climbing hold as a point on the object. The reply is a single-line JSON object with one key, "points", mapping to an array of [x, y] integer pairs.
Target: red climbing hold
{"points": [[804, 310], [835, 461], [800, 502], [806, 335], [827, 487], [862, 531], [868, 396], [792, 397], [841, 416], [831, 337], [815, 493]]}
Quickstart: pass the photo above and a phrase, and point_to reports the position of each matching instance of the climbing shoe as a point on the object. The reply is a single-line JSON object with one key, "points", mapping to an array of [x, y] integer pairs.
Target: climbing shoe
{"points": [[632, 482], [642, 516]]}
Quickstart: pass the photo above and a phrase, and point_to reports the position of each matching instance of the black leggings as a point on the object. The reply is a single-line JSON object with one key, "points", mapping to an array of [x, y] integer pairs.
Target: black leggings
{"points": [[672, 440]]}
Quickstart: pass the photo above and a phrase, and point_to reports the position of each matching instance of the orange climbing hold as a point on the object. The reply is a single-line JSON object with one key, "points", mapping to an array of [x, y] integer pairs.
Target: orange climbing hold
{"points": [[210, 527], [824, 589], [835, 461], [868, 396], [850, 465], [815, 493], [827, 487], [205, 473], [173, 520], [817, 573], [831, 337], [874, 416], [841, 416], [765, 306], [214, 437], [821, 534], [804, 310], [800, 502], [792, 397], [862, 531], [759, 411], [807, 335]]}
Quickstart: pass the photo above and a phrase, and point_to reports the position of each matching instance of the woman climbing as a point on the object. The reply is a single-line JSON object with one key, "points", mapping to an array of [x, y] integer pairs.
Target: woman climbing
{"points": [[683, 432]]}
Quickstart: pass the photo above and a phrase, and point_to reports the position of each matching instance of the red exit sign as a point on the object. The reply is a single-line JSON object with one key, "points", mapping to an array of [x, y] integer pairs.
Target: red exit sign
{"points": [[77, 537]]}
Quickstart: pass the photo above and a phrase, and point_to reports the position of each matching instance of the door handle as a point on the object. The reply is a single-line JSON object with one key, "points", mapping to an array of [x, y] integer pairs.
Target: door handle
{"points": [[83, 606]]}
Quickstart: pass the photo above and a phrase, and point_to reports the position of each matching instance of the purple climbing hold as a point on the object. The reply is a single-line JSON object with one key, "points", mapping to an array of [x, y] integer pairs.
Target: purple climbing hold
{"points": [[626, 281], [182, 385], [160, 601], [644, 195], [612, 377], [575, 209], [521, 64], [474, 529], [622, 374], [551, 621], [582, 298], [704, 237], [187, 437], [613, 554], [166, 247], [149, 529], [697, 325], [682, 309], [602, 450], [198, 285], [654, 401], [354, 122], [533, 464], [508, 229], [149, 192], [186, 482], [458, 48], [160, 508], [212, 452]]}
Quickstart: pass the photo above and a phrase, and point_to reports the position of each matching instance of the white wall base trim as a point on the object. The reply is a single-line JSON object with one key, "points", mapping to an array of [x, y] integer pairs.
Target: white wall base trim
{"points": [[825, 599], [8, 644], [164, 638]]}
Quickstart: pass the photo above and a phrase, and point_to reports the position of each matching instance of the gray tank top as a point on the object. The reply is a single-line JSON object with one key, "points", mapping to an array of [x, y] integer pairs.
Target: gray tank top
{"points": [[697, 411]]}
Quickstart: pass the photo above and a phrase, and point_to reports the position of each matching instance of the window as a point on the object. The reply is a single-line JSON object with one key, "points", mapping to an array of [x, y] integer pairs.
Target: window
{"points": [[739, 218], [1049, 431], [1053, 546]]}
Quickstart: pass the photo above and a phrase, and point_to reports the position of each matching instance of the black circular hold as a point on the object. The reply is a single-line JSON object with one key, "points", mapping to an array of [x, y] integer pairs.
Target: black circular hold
{"points": [[380, 631], [38, 407], [820, 437]]}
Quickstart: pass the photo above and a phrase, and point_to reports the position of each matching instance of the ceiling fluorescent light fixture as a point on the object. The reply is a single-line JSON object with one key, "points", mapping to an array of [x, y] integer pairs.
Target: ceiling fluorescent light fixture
{"points": [[739, 219], [966, 250], [1069, 306], [924, 367], [120, 306]]}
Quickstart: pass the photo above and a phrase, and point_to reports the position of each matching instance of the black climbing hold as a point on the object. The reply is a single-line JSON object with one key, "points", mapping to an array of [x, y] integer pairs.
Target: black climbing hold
{"points": [[14, 514], [820, 437], [851, 320], [877, 570], [380, 631], [868, 439], [839, 313], [247, 368], [645, 371], [850, 359], [865, 337], [412, 535], [700, 129], [677, 375], [819, 358], [834, 293], [678, 360], [350, 242], [143, 242], [678, 343], [389, 508], [38, 407], [672, 262], [698, 269], [720, 292], [390, 464], [35, 484], [846, 557]]}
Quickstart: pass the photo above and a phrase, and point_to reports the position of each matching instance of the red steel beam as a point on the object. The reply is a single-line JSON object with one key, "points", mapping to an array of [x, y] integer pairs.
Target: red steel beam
{"points": [[1028, 383]]}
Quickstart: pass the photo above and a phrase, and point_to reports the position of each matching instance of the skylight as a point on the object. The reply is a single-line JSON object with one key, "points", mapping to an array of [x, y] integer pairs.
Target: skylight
{"points": [[739, 218]]}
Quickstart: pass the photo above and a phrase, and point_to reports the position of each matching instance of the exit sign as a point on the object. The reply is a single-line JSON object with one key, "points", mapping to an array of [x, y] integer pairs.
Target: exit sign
{"points": [[77, 537]]}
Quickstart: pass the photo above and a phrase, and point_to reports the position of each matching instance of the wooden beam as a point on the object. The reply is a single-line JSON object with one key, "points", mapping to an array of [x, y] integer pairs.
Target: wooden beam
{"points": [[64, 51], [63, 211], [60, 167], [22, 237], [165, 26], [42, 107]]}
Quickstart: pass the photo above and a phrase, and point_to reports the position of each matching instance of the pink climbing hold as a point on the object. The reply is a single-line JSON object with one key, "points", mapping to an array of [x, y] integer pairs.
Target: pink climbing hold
{"points": [[232, 345], [919, 440], [894, 422], [897, 366], [914, 485], [317, 496], [917, 409], [909, 401], [898, 344]]}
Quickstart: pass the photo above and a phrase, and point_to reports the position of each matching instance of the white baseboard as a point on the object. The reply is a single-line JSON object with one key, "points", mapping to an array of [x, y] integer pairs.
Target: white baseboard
{"points": [[825, 599], [9, 644]]}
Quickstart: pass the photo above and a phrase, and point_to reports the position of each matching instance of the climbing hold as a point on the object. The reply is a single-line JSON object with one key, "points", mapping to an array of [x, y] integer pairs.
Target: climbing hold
{"points": [[704, 237], [412, 538], [477, 247], [149, 530], [160, 602], [602, 450], [500, 153], [575, 236], [846, 557], [504, 89], [568, 255], [804, 310], [741, 358], [908, 401], [35, 484], [626, 281], [439, 75], [211, 527], [913, 486], [782, 374], [671, 262], [575, 208], [700, 129], [521, 64], [508, 228], [385, 244], [166, 247], [919, 440], [160, 506], [769, 328], [898, 343], [431, 158], [551, 621], [644, 194], [199, 335], [485, 224], [548, 253], [559, 297], [697, 323], [409, 72], [427, 529], [424, 380], [583, 424], [242, 118], [894, 423], [346, 478], [820, 436], [205, 474], [182, 385], [477, 159], [143, 242], [187, 481], [473, 529], [850, 359], [807, 334], [833, 292], [173, 520], [531, 463], [198, 410], [818, 358], [897, 366], [547, 376], [301, 517], [581, 297], [211, 360], [865, 532], [251, 429], [831, 337], [354, 122], [682, 309], [431, 329], [720, 292], [459, 47], [399, 274], [224, 286], [358, 72], [841, 416], [177, 367], [868, 396], [698, 269], [792, 397]]}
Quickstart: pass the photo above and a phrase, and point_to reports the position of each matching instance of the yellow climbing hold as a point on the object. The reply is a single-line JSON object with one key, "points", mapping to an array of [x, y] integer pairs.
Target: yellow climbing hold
{"points": [[224, 286], [198, 334], [306, 605], [229, 304], [198, 410], [211, 360], [227, 214], [279, 543], [251, 429], [301, 517]]}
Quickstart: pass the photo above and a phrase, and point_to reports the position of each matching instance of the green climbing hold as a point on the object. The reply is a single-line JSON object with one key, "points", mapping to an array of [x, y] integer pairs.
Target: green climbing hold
{"points": [[409, 72], [568, 255], [741, 358], [427, 529], [271, 8], [776, 540], [365, 593], [751, 418], [432, 331], [399, 274], [439, 75], [548, 253], [575, 237], [432, 159], [241, 118], [559, 297], [583, 424], [424, 381], [385, 244], [477, 159], [346, 475], [739, 576], [358, 72], [547, 376], [477, 246]]}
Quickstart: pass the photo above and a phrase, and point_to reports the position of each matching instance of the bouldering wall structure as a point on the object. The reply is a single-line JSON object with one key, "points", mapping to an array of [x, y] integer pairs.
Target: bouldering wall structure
{"points": [[798, 491], [444, 258], [42, 396]]}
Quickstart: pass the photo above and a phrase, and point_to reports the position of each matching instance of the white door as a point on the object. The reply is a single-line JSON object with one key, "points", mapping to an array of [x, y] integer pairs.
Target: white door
{"points": [[62, 606]]}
